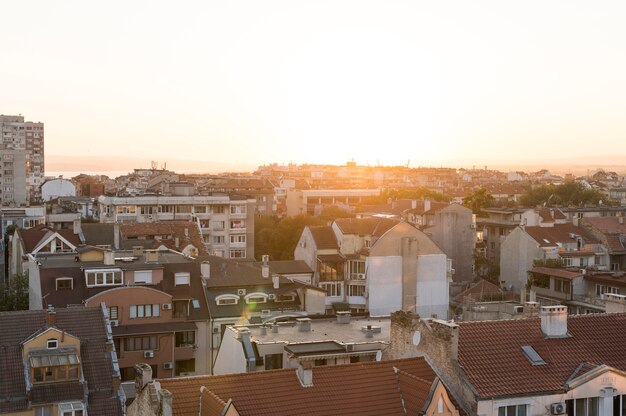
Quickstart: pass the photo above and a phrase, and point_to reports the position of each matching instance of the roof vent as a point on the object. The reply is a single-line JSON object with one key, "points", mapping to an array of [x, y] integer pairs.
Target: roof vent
{"points": [[304, 324], [343, 317]]}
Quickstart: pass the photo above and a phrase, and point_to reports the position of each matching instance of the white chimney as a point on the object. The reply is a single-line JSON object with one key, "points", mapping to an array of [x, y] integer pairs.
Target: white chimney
{"points": [[620, 219], [554, 321], [305, 373], [137, 251], [76, 226], [343, 317], [265, 268], [276, 281], [426, 205], [413, 204], [116, 236], [304, 324], [109, 258], [205, 270]]}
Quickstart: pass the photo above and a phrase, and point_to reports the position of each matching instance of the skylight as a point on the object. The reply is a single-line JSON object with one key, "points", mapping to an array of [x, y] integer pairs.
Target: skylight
{"points": [[532, 355], [545, 240]]}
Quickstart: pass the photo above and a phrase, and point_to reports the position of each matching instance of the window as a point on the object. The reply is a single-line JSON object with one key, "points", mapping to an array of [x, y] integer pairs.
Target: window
{"points": [[181, 278], [43, 411], [256, 297], [185, 338], [368, 243], [285, 298], [563, 286], [146, 342], [71, 409], [332, 288], [219, 209], [517, 410], [50, 368], [584, 407], [239, 253], [237, 209], [356, 269], [184, 367], [217, 225], [356, 290], [65, 283], [218, 239], [126, 209], [200, 209], [602, 289], [52, 343], [147, 210], [181, 308], [227, 300], [144, 311], [237, 224], [143, 276], [273, 361], [112, 312], [234, 239], [96, 278], [568, 261]]}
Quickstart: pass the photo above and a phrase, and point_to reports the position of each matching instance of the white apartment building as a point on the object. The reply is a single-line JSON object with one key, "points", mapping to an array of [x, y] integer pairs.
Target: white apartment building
{"points": [[226, 222], [21, 160]]}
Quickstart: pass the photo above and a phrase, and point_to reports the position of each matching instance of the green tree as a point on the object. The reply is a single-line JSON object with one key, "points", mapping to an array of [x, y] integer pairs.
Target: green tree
{"points": [[478, 200], [14, 295], [332, 212], [279, 238], [569, 193]]}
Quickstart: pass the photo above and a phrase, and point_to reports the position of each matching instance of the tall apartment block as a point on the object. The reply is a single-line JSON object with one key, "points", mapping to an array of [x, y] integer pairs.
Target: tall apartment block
{"points": [[21, 160]]}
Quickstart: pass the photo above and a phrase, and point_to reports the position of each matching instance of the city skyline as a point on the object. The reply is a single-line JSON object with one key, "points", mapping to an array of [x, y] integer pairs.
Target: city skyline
{"points": [[387, 83]]}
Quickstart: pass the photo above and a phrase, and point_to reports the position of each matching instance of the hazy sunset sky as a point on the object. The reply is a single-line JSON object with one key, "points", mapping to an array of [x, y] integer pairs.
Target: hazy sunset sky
{"points": [[253, 82]]}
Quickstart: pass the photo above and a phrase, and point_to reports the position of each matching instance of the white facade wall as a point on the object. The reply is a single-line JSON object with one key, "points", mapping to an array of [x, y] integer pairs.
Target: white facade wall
{"points": [[517, 252], [384, 284], [56, 188], [432, 291], [540, 405], [230, 357]]}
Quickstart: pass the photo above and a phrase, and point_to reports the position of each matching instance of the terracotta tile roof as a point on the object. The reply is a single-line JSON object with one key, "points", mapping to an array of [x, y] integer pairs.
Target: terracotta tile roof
{"points": [[609, 225], [324, 238], [186, 231], [211, 404], [32, 237], [420, 209], [288, 267], [415, 391], [615, 243], [84, 323], [548, 271], [549, 236], [492, 359], [551, 214], [369, 388], [477, 290], [365, 226]]}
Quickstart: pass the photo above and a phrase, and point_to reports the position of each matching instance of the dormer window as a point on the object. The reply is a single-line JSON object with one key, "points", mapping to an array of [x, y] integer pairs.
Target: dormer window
{"points": [[227, 300], [65, 283], [47, 366], [181, 279], [104, 277], [52, 344], [256, 297]]}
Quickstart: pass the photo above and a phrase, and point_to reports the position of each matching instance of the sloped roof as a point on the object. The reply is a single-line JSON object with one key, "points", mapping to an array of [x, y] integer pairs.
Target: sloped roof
{"points": [[549, 236], [549, 271], [32, 237], [287, 267], [186, 231], [490, 352], [368, 388], [365, 226], [415, 391], [477, 290], [84, 323], [551, 214], [324, 238]]}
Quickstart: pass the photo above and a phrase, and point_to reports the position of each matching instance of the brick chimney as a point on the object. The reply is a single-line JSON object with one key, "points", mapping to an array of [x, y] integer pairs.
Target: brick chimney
{"points": [[143, 376], [52, 316], [531, 309], [554, 321], [615, 303]]}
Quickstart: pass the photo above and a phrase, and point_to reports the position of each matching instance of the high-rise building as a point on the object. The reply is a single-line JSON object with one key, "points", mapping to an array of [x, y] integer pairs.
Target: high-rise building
{"points": [[21, 160]]}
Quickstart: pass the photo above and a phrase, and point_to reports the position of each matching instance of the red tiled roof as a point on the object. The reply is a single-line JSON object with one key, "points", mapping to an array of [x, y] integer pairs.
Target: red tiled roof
{"points": [[609, 225], [492, 359], [548, 271], [558, 233], [365, 226], [324, 237], [477, 290], [415, 391], [186, 231], [32, 237], [369, 388]]}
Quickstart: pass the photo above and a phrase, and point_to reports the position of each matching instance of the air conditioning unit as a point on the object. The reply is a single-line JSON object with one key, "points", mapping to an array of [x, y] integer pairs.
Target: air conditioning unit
{"points": [[168, 365], [272, 296], [216, 330], [557, 408], [115, 322], [148, 354], [518, 309], [241, 292], [360, 276], [266, 312], [350, 347], [265, 258], [167, 306]]}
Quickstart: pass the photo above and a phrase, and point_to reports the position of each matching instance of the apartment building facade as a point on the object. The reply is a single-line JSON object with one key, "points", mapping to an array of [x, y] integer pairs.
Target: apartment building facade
{"points": [[226, 222], [21, 160]]}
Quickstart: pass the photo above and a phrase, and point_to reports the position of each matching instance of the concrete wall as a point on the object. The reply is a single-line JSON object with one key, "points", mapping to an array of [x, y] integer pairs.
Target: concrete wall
{"points": [[230, 357], [432, 294], [57, 187], [384, 284], [518, 251]]}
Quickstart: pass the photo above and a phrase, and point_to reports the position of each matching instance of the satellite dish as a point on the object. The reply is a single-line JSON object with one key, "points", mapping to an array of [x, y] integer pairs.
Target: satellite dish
{"points": [[379, 355], [417, 337]]}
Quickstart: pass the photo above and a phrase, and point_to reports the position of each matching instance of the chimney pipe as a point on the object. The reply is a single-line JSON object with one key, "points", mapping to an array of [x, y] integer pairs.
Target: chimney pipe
{"points": [[276, 281], [275, 328], [554, 321], [52, 315], [205, 270], [143, 376], [116, 236], [343, 317], [109, 258], [615, 303], [304, 324], [265, 267]]}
